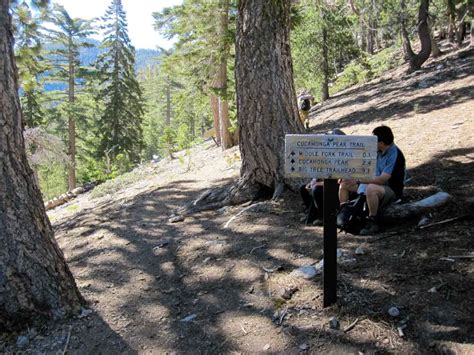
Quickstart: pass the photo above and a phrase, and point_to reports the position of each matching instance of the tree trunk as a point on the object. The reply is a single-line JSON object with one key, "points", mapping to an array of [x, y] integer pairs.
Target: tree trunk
{"points": [[220, 81], [472, 32], [416, 60], [435, 51], [215, 114], [461, 13], [325, 66], [266, 100], [71, 121], [168, 102], [35, 281], [371, 34], [407, 50], [451, 5], [226, 136]]}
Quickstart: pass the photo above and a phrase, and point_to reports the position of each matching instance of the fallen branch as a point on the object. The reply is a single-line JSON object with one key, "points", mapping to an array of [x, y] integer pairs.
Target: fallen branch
{"points": [[67, 340], [242, 211], [470, 256], [350, 326], [259, 247], [444, 221]]}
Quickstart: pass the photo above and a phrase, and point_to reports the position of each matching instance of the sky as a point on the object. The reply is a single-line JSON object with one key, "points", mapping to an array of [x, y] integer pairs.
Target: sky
{"points": [[140, 21]]}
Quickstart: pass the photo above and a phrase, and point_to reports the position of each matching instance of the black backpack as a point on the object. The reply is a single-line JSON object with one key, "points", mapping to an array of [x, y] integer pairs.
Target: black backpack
{"points": [[305, 105], [352, 216]]}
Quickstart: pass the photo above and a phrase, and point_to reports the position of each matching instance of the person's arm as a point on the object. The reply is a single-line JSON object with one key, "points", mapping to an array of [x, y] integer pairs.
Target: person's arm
{"points": [[383, 178], [378, 180]]}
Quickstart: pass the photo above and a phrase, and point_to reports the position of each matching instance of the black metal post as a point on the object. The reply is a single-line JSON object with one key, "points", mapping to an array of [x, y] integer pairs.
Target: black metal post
{"points": [[330, 242]]}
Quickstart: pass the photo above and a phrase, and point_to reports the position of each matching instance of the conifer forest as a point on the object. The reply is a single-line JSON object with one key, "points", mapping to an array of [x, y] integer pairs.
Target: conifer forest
{"points": [[93, 110]]}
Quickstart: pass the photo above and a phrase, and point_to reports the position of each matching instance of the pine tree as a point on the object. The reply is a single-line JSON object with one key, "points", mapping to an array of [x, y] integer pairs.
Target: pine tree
{"points": [[202, 39], [320, 39], [29, 59], [71, 34], [120, 123]]}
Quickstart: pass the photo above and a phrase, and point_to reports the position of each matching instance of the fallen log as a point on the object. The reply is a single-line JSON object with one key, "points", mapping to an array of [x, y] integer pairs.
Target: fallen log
{"points": [[68, 196], [397, 212]]}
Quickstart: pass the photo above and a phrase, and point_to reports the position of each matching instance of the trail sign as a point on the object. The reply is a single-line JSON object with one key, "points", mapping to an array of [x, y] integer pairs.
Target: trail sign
{"points": [[330, 156]]}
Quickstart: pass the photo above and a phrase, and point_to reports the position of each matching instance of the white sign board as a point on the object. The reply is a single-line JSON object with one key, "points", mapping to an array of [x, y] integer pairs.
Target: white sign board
{"points": [[330, 156]]}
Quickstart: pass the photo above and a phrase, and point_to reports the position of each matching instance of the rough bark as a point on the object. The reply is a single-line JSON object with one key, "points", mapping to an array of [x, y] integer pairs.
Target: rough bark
{"points": [[266, 100], [416, 60], [35, 281]]}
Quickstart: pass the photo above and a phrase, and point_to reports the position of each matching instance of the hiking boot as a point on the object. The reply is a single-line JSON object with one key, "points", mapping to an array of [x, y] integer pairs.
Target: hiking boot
{"points": [[371, 228]]}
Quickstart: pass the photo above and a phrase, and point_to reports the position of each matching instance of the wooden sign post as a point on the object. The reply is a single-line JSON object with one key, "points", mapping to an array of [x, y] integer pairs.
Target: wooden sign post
{"points": [[330, 157]]}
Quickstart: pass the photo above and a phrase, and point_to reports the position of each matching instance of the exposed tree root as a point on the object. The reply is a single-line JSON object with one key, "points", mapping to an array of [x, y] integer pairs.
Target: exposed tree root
{"points": [[240, 192]]}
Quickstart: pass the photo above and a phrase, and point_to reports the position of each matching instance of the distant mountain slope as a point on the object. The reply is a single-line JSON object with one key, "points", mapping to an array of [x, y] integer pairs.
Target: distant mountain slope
{"points": [[87, 56]]}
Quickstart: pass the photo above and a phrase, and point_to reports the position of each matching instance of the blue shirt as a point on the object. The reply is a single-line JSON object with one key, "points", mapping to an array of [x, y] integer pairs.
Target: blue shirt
{"points": [[386, 161], [391, 162]]}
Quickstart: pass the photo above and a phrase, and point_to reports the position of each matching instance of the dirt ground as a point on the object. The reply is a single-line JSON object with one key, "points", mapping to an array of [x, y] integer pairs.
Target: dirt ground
{"points": [[217, 284]]}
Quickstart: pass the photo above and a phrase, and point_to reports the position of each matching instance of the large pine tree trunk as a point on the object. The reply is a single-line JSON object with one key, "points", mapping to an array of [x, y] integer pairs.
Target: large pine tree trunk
{"points": [[266, 103], [266, 100], [35, 281]]}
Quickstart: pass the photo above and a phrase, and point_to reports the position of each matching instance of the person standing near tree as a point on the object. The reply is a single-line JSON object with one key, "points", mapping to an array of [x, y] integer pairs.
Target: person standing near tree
{"points": [[387, 185], [304, 105]]}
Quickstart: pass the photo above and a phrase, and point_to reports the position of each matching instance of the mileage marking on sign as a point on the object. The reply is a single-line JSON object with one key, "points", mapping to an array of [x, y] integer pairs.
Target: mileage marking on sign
{"points": [[330, 156]]}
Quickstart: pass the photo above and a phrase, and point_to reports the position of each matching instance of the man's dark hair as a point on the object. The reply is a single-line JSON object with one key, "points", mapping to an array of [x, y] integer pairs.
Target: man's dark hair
{"points": [[384, 134]]}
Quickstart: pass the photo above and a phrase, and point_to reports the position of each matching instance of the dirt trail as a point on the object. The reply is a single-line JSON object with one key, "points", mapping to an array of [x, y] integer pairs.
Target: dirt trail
{"points": [[197, 287]]}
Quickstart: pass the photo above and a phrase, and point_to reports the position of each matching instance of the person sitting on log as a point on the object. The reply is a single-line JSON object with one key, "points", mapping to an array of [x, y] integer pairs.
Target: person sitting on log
{"points": [[312, 195], [387, 185]]}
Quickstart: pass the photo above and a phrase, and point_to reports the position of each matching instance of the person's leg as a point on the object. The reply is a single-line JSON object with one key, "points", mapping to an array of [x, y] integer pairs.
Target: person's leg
{"points": [[378, 197], [388, 198], [318, 197], [303, 116], [305, 196], [374, 194], [345, 188], [308, 200]]}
